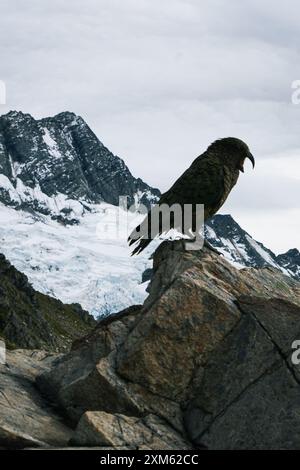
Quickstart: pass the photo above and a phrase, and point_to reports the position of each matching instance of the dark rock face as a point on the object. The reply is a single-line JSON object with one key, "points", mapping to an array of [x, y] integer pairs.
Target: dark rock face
{"points": [[205, 361], [249, 380], [29, 319], [60, 155], [27, 420]]}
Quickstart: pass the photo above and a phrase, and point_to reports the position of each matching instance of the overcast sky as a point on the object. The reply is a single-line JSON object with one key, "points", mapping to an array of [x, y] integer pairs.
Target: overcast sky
{"points": [[158, 80]]}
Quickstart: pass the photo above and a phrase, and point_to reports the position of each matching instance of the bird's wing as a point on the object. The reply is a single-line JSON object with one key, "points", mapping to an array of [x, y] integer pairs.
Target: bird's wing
{"points": [[201, 183]]}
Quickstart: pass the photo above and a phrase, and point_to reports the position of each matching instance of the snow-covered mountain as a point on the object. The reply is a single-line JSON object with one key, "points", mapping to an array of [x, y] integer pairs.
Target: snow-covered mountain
{"points": [[59, 187], [242, 250], [291, 262], [58, 166]]}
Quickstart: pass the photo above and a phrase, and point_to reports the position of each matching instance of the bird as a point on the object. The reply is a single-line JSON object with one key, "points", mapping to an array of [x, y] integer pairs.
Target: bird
{"points": [[208, 181]]}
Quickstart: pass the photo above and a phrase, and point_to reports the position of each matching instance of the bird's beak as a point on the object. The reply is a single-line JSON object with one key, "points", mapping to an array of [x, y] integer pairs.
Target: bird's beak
{"points": [[251, 158]]}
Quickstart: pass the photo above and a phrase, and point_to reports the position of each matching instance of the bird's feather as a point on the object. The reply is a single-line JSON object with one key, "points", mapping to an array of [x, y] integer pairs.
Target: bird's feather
{"points": [[207, 181]]}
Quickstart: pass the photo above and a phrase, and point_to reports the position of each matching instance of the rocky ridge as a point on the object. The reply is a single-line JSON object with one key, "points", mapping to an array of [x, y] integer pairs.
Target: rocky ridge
{"points": [[204, 363], [31, 320]]}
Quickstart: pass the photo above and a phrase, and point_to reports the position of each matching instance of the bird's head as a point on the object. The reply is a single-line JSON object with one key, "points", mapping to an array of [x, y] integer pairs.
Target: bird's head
{"points": [[233, 152]]}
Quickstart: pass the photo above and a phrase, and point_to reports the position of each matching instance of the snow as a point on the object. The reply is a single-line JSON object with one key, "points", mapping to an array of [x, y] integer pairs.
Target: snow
{"points": [[263, 253], [54, 204], [77, 263], [51, 144], [6, 184], [210, 232], [16, 168], [88, 263], [153, 199], [229, 250]]}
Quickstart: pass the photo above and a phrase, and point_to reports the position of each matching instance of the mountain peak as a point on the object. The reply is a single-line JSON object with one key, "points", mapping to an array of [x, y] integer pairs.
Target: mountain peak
{"points": [[67, 117], [223, 219], [292, 252], [61, 157], [65, 114], [15, 115], [225, 234], [291, 262]]}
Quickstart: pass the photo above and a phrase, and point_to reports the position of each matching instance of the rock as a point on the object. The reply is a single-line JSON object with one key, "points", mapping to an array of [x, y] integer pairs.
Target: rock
{"points": [[249, 384], [177, 333], [29, 319], [243, 357], [86, 379], [264, 416], [116, 430], [207, 356], [278, 317], [80, 365], [12, 438], [26, 419], [191, 309]]}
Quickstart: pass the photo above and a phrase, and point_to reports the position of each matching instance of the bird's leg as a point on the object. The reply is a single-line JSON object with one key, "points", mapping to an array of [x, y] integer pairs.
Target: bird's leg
{"points": [[197, 242]]}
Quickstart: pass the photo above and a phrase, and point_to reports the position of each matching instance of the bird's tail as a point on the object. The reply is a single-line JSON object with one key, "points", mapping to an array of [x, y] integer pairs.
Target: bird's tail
{"points": [[145, 236], [143, 243]]}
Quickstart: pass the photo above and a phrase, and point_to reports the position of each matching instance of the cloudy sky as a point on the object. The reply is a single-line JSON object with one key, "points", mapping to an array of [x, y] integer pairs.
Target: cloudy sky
{"points": [[158, 80]]}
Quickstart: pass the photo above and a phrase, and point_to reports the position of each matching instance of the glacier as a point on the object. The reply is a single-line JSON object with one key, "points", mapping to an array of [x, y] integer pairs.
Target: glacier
{"points": [[81, 263]]}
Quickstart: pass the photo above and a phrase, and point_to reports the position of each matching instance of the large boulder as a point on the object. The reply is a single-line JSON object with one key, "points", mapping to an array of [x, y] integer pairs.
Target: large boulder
{"points": [[116, 430], [26, 419], [86, 378], [207, 357]]}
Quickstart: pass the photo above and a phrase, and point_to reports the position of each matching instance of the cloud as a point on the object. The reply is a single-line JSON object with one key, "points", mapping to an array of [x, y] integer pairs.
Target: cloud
{"points": [[158, 80]]}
